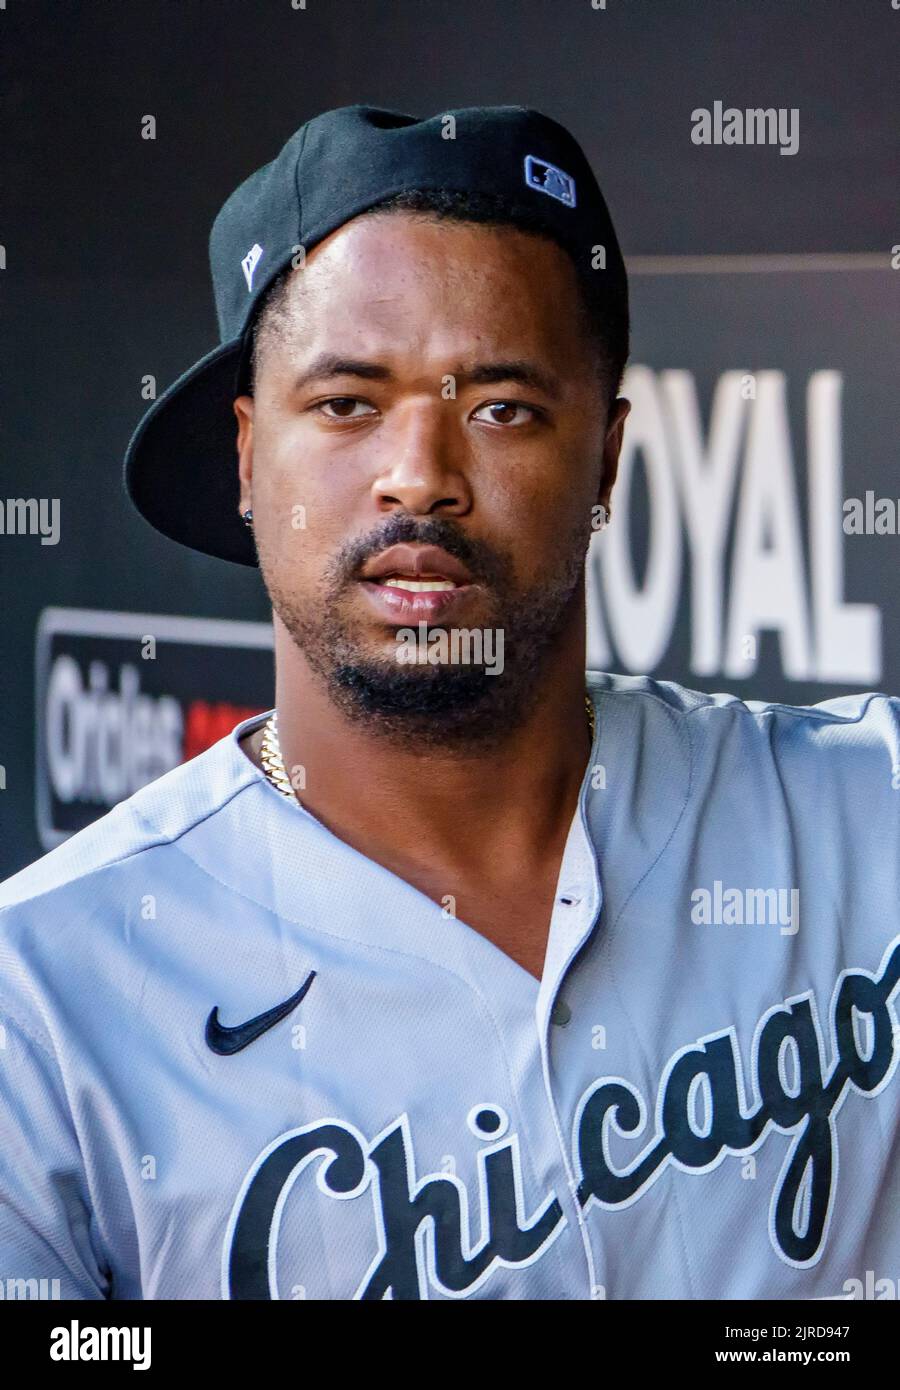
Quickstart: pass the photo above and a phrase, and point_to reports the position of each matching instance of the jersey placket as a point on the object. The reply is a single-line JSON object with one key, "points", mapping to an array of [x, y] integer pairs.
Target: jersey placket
{"points": [[575, 914]]}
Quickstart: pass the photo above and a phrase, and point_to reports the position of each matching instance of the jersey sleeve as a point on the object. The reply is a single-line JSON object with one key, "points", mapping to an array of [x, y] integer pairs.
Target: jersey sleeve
{"points": [[839, 772], [47, 1246]]}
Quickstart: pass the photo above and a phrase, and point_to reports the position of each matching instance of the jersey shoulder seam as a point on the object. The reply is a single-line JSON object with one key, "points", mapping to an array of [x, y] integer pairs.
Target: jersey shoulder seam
{"points": [[161, 839], [770, 707], [45, 1045]]}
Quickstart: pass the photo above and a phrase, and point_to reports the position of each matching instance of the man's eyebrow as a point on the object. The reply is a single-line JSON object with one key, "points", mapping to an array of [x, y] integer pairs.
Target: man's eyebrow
{"points": [[331, 364], [526, 373]]}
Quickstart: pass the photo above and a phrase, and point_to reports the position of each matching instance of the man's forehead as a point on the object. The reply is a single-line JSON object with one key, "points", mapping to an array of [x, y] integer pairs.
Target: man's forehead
{"points": [[487, 296], [378, 280], [402, 244]]}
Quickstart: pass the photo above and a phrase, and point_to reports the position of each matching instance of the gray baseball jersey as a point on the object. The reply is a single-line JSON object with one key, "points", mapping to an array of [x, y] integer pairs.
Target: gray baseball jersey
{"points": [[241, 1060]]}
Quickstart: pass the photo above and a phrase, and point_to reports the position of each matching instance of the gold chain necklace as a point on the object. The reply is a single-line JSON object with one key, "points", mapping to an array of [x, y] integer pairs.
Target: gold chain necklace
{"points": [[273, 763]]}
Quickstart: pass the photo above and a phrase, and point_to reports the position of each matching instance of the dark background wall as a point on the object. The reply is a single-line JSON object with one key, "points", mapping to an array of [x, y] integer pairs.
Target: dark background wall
{"points": [[105, 282]]}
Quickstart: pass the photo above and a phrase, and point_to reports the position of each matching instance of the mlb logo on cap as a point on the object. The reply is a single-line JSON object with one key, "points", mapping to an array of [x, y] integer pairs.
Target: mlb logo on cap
{"points": [[548, 178]]}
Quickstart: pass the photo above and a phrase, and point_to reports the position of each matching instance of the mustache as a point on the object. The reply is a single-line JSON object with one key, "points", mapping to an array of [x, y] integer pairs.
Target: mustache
{"points": [[483, 562]]}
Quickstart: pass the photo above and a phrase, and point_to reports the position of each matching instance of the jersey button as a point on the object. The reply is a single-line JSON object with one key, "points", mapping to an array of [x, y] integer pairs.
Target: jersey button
{"points": [[560, 1013]]}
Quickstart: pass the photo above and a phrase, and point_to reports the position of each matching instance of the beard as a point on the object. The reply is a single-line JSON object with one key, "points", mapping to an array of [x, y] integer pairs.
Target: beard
{"points": [[444, 704]]}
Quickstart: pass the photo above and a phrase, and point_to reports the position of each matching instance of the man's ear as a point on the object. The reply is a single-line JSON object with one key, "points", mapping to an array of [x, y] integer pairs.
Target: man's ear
{"points": [[612, 445], [243, 409]]}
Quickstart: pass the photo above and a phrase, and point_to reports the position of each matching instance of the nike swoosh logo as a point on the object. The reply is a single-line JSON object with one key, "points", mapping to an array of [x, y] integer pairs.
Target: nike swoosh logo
{"points": [[226, 1041]]}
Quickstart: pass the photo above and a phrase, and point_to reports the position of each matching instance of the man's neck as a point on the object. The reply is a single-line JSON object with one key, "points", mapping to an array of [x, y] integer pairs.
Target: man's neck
{"points": [[474, 812]]}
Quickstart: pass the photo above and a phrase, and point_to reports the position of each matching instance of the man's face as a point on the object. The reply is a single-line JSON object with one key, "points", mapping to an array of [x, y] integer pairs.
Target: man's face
{"points": [[432, 417]]}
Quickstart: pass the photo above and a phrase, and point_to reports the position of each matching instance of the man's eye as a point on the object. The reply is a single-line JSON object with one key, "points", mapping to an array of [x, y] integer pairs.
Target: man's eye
{"points": [[343, 408], [504, 413]]}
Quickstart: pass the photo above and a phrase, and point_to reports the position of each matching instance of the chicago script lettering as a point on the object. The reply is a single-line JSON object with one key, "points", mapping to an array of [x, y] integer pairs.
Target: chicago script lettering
{"points": [[796, 1090], [807, 1109]]}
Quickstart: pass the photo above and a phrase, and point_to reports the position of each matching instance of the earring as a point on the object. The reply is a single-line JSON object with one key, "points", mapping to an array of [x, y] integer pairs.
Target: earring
{"points": [[601, 517], [248, 518]]}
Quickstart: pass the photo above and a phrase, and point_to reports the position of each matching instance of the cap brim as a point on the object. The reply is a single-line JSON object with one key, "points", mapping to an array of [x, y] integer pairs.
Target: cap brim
{"points": [[181, 465]]}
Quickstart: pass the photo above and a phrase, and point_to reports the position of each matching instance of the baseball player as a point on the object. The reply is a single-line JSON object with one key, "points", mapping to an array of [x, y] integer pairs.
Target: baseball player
{"points": [[459, 973]]}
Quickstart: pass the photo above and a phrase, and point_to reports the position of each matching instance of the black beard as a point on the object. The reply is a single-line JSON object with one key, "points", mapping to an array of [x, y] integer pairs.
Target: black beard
{"points": [[439, 705]]}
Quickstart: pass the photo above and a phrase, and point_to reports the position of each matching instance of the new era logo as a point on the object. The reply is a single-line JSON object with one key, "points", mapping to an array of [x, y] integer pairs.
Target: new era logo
{"points": [[549, 179], [250, 262]]}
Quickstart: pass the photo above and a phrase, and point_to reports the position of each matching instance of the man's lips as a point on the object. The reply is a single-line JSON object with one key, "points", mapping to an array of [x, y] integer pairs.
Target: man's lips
{"points": [[415, 583], [416, 564]]}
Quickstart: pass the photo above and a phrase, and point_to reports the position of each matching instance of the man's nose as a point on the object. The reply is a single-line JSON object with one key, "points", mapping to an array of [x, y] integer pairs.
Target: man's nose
{"points": [[424, 470]]}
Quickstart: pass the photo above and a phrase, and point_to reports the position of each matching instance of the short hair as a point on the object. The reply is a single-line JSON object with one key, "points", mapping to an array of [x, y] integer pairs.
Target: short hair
{"points": [[605, 311]]}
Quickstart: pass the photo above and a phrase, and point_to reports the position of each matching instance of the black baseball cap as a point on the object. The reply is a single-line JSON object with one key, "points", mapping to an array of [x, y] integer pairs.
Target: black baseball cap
{"points": [[181, 462]]}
